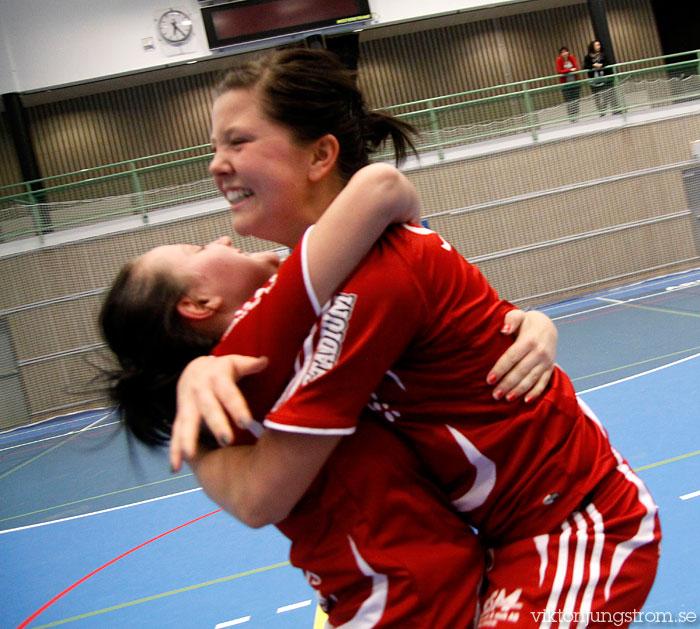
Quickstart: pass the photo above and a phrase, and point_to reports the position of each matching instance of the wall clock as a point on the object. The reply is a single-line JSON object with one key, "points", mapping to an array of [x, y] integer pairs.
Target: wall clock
{"points": [[174, 26]]}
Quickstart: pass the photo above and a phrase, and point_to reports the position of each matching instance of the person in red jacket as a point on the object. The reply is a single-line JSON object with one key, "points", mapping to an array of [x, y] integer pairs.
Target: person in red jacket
{"points": [[567, 68]]}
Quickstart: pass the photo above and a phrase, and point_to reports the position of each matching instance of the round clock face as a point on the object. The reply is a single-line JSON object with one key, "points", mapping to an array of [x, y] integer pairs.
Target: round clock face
{"points": [[174, 26]]}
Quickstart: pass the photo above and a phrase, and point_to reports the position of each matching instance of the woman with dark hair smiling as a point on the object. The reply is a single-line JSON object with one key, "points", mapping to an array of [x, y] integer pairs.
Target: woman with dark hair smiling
{"points": [[411, 336]]}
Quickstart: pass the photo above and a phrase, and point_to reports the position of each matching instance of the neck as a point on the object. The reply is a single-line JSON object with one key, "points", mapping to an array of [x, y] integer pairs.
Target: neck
{"points": [[214, 326], [317, 202]]}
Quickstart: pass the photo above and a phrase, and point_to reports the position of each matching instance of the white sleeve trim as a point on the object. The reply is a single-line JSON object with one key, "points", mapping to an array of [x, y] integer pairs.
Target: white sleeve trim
{"points": [[308, 431], [306, 273], [423, 231]]}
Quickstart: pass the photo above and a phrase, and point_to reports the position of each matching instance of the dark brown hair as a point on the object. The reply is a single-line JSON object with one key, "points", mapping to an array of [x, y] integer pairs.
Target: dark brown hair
{"points": [[152, 343], [310, 92]]}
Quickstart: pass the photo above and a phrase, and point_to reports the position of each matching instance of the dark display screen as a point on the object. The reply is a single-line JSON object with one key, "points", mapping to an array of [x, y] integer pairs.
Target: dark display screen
{"points": [[250, 20]]}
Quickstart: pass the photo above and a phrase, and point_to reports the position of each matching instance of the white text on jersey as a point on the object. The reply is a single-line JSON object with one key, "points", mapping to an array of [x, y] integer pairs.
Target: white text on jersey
{"points": [[334, 325]]}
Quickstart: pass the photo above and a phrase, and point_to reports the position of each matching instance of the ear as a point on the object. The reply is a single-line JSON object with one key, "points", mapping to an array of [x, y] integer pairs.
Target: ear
{"points": [[198, 309], [324, 156]]}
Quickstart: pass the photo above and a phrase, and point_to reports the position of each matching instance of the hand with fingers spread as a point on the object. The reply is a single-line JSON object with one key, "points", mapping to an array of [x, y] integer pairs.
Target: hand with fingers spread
{"points": [[206, 392], [526, 367]]}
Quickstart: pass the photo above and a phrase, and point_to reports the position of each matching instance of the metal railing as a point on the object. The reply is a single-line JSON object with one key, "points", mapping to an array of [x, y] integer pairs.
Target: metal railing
{"points": [[139, 186], [532, 105]]}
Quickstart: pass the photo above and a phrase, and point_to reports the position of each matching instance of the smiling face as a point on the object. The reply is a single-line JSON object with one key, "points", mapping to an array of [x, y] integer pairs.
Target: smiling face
{"points": [[217, 276], [261, 170]]}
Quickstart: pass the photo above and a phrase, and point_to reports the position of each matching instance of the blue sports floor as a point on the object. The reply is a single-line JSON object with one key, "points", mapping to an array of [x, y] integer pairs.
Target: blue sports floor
{"points": [[96, 532]]}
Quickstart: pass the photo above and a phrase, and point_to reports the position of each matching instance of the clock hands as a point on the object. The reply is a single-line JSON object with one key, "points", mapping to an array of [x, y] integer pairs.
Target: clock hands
{"points": [[175, 26]]}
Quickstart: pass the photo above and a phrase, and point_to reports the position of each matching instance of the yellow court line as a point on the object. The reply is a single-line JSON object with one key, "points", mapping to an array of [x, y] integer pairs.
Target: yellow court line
{"points": [[45, 452], [641, 362], [320, 619], [673, 460], [110, 493], [162, 595], [627, 304]]}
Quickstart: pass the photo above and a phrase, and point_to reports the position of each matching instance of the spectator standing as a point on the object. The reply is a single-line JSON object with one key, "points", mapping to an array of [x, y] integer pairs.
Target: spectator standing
{"points": [[596, 63], [567, 68]]}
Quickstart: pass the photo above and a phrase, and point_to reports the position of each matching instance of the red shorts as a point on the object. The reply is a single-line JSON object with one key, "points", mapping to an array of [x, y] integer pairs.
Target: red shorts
{"points": [[380, 543], [596, 570]]}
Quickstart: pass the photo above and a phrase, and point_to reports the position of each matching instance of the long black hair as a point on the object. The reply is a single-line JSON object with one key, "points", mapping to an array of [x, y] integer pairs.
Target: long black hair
{"points": [[140, 323], [591, 47]]}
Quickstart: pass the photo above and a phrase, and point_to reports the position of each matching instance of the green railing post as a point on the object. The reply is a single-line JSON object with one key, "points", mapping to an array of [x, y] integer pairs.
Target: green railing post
{"points": [[37, 221], [619, 104], [529, 108], [436, 109], [136, 185], [435, 128]]}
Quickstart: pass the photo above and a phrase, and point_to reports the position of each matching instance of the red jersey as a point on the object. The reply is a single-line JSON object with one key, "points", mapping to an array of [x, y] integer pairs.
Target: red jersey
{"points": [[368, 537], [415, 332]]}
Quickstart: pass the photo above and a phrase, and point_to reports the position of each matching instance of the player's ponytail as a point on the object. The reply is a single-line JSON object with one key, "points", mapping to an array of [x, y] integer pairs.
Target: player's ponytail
{"points": [[311, 93], [378, 127]]}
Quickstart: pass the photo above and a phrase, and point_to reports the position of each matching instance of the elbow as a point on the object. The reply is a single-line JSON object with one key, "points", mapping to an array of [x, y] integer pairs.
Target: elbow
{"points": [[380, 177], [251, 519], [258, 515], [258, 509], [388, 178], [393, 189]]}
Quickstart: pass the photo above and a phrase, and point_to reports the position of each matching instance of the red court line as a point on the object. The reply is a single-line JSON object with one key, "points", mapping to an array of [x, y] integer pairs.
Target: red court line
{"points": [[44, 607]]}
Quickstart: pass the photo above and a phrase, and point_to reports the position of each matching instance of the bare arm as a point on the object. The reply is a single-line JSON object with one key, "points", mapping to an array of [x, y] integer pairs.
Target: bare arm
{"points": [[376, 196], [260, 484]]}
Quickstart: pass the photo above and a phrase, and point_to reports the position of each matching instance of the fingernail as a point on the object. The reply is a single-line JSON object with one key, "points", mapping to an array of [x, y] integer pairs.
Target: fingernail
{"points": [[224, 440], [510, 397], [528, 399], [246, 421], [506, 328], [497, 395], [492, 378]]}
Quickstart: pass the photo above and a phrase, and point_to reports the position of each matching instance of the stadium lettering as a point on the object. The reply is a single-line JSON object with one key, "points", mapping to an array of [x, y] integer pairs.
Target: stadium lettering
{"points": [[334, 325]]}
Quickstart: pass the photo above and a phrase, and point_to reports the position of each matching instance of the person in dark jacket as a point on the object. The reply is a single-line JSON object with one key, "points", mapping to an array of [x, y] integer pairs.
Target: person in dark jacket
{"points": [[597, 65]]}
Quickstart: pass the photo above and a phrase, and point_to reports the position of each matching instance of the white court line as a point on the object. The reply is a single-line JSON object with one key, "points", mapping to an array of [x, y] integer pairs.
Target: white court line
{"points": [[619, 290], [51, 449], [230, 623], [631, 300], [610, 304], [289, 608], [695, 494], [639, 375], [578, 313], [70, 418], [65, 434], [85, 515]]}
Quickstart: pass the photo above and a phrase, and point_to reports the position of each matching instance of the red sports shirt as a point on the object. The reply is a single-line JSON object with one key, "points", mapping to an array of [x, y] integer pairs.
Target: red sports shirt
{"points": [[415, 332], [371, 530]]}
